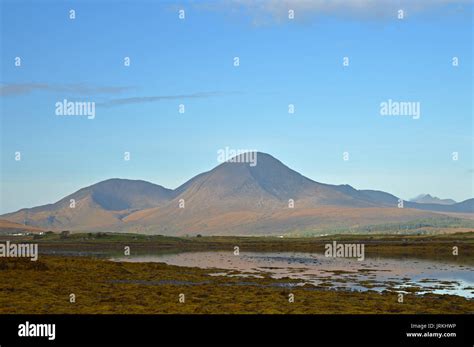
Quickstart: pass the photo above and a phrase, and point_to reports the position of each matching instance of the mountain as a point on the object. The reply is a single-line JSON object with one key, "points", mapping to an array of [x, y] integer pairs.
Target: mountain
{"points": [[428, 199], [237, 198], [268, 183], [234, 198], [466, 206], [7, 227], [101, 204]]}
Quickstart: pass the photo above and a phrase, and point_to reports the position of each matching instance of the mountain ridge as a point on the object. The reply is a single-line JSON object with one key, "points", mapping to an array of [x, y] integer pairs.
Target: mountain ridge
{"points": [[429, 199], [233, 197]]}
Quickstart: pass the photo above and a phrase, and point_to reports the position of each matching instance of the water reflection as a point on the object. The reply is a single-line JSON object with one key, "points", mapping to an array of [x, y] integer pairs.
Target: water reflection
{"points": [[420, 276]]}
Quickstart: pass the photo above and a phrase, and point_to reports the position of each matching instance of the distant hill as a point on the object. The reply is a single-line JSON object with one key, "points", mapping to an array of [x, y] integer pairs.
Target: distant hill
{"points": [[12, 227], [428, 199], [100, 205], [466, 206], [234, 198]]}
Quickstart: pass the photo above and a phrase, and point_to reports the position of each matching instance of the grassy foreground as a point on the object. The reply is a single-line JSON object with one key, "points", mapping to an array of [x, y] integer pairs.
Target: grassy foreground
{"points": [[102, 286]]}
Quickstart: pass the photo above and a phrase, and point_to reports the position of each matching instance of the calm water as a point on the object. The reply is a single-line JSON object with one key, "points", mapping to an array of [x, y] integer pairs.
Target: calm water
{"points": [[338, 273]]}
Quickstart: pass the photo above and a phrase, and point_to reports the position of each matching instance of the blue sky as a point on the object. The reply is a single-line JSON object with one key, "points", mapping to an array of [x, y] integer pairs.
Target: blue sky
{"points": [[190, 62]]}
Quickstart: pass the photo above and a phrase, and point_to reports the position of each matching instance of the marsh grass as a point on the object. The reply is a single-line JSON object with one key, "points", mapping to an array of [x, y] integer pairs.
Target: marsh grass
{"points": [[104, 287]]}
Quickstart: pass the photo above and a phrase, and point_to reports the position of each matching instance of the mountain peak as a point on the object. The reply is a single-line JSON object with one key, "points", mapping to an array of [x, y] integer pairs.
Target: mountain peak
{"points": [[252, 192], [251, 158], [429, 199]]}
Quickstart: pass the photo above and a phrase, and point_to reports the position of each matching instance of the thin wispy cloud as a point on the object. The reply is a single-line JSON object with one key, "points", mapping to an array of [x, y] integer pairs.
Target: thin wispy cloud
{"points": [[157, 98], [271, 11], [14, 89]]}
